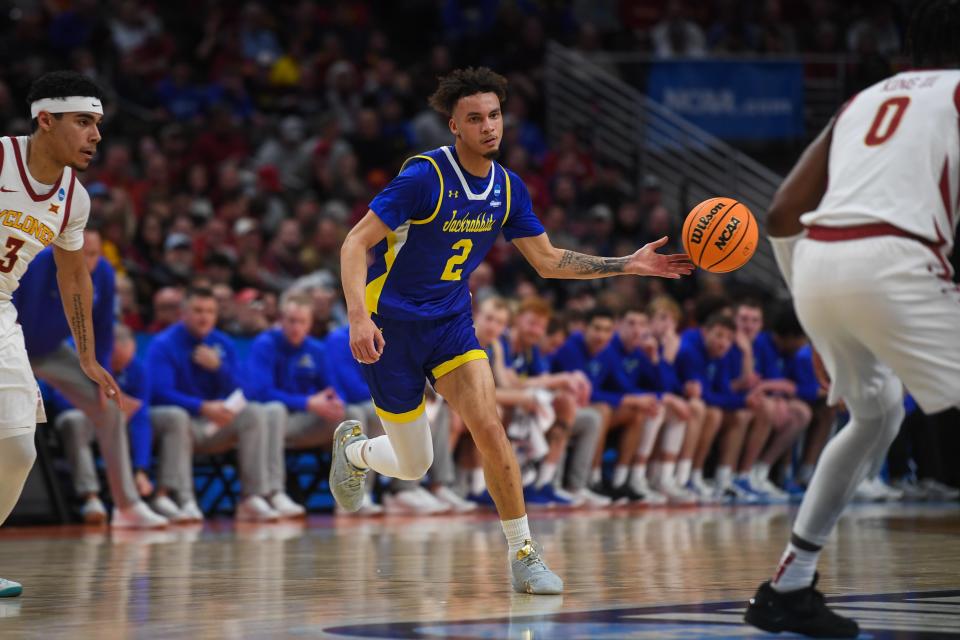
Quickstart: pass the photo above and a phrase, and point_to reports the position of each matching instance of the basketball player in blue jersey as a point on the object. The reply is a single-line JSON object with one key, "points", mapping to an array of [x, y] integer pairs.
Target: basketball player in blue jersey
{"points": [[410, 312]]}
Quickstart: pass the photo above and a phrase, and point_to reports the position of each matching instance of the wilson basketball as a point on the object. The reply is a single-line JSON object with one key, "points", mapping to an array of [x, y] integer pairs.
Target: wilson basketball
{"points": [[720, 235]]}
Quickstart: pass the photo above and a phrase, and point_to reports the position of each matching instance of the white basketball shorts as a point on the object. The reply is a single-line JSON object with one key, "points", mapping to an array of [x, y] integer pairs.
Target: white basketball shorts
{"points": [[876, 305], [21, 407]]}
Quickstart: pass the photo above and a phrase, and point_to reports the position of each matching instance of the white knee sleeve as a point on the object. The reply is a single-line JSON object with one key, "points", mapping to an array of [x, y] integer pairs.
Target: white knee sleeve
{"points": [[406, 452]]}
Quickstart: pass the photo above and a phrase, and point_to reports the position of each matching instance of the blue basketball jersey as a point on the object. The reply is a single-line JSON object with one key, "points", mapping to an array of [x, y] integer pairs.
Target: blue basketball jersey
{"points": [[442, 221]]}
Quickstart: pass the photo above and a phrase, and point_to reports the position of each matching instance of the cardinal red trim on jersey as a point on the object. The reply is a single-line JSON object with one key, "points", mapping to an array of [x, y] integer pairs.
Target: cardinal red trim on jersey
{"points": [[66, 211], [859, 232], [945, 190], [23, 175]]}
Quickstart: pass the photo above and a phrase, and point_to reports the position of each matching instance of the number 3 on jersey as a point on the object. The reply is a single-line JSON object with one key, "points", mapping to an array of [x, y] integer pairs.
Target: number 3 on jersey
{"points": [[886, 121], [454, 268], [10, 258]]}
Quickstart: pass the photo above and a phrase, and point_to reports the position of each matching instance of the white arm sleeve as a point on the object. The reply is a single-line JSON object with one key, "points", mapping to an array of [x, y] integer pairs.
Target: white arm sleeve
{"points": [[783, 253]]}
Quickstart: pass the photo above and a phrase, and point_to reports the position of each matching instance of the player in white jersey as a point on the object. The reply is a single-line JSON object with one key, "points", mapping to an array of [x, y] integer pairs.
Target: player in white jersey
{"points": [[861, 228], [42, 203]]}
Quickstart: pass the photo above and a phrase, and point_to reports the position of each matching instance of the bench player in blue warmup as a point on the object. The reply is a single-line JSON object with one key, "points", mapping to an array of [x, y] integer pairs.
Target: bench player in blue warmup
{"points": [[410, 312]]}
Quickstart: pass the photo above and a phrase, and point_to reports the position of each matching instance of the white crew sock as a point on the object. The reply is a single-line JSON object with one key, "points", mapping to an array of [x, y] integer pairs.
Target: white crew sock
{"points": [[796, 569], [596, 477], [638, 478], [760, 472], [684, 467], [668, 474], [724, 477], [478, 484], [517, 532], [548, 471], [620, 473]]}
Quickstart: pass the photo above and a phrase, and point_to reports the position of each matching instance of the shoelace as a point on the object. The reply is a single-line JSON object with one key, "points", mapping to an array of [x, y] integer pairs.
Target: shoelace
{"points": [[355, 479], [530, 557]]}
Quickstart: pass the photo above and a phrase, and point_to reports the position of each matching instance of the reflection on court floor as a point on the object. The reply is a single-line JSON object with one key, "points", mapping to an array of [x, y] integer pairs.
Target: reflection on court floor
{"points": [[654, 573]]}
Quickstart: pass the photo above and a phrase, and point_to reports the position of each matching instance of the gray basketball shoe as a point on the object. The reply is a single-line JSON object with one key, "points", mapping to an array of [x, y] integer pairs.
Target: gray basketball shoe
{"points": [[346, 480], [531, 574]]}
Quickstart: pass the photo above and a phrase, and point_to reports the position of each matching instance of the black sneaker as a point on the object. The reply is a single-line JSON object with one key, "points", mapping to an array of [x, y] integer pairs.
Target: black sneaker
{"points": [[626, 494], [803, 611]]}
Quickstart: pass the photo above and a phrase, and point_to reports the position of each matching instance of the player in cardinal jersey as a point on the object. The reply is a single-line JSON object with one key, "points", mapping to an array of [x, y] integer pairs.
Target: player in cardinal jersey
{"points": [[42, 203], [861, 228], [410, 313]]}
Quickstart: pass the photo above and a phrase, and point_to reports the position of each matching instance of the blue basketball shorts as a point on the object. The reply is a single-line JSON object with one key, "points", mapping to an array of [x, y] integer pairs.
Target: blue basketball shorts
{"points": [[416, 351]]}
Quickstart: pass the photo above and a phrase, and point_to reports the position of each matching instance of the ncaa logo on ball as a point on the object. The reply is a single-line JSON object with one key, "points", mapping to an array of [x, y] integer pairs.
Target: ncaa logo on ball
{"points": [[727, 234]]}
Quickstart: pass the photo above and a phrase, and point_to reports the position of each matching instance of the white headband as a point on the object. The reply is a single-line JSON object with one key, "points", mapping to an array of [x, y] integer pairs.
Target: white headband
{"points": [[66, 105]]}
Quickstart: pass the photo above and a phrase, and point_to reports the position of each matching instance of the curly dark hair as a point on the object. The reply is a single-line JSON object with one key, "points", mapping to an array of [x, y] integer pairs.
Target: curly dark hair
{"points": [[466, 82], [62, 84], [932, 36]]}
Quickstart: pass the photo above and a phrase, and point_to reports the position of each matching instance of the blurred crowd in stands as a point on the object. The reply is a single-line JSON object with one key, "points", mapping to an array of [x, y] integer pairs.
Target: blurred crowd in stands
{"points": [[242, 140]]}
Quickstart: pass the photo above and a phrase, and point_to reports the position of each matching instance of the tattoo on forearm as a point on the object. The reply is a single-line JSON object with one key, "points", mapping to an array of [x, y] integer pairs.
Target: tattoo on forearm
{"points": [[582, 263], [78, 324]]}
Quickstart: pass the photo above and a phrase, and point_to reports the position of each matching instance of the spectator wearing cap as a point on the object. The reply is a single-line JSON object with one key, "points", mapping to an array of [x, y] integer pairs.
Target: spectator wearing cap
{"points": [[177, 265], [599, 233]]}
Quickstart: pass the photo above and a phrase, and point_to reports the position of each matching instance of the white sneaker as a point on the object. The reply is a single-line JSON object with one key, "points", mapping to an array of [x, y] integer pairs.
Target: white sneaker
{"points": [[449, 497], [285, 506], [774, 493], [876, 490], [939, 491], [367, 508], [413, 502], [168, 509], [256, 509], [576, 501], [93, 511], [643, 488], [191, 511], [912, 491], [867, 491], [138, 516], [593, 500], [889, 493], [704, 491], [675, 494]]}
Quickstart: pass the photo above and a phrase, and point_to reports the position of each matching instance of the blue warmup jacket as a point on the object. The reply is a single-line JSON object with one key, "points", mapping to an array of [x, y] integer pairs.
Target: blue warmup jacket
{"points": [[278, 371], [714, 374], [599, 368], [176, 380]]}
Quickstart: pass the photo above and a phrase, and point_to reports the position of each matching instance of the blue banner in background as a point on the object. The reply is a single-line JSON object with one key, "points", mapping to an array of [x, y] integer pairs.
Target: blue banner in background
{"points": [[744, 100]]}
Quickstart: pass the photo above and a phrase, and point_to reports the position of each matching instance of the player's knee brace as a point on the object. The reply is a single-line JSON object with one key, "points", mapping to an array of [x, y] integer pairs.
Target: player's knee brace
{"points": [[414, 468]]}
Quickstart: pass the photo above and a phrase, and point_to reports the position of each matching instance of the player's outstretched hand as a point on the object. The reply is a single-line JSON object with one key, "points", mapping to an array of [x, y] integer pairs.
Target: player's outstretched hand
{"points": [[104, 380], [366, 341], [647, 262]]}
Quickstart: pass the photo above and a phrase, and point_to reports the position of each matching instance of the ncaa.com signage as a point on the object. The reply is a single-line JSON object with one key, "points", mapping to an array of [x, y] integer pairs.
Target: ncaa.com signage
{"points": [[746, 100]]}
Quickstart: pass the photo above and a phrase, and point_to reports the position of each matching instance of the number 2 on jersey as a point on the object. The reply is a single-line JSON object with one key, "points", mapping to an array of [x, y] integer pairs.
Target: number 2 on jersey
{"points": [[454, 270], [885, 123], [11, 257]]}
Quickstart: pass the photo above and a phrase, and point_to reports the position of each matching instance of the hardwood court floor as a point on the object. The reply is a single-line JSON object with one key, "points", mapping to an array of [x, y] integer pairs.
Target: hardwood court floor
{"points": [[655, 573]]}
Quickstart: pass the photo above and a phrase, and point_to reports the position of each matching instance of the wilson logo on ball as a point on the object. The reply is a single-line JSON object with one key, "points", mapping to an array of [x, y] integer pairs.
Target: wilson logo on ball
{"points": [[704, 222]]}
